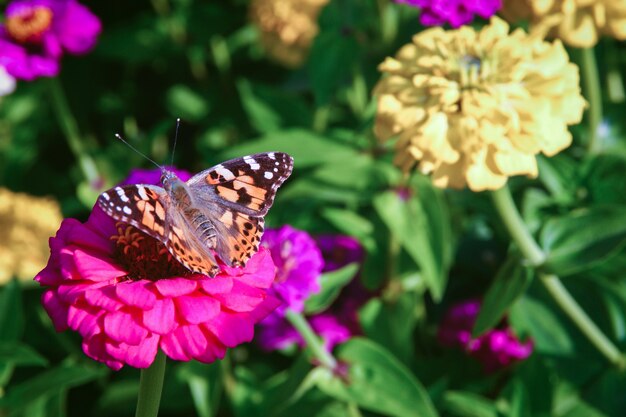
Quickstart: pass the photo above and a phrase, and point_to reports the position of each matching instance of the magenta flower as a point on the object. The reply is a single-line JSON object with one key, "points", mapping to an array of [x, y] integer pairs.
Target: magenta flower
{"points": [[453, 12], [334, 325], [277, 333], [339, 251], [127, 297], [152, 176], [496, 349], [37, 32], [298, 267]]}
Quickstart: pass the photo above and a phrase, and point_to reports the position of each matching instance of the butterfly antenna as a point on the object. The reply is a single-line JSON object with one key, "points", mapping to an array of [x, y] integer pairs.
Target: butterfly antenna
{"points": [[175, 140], [117, 135]]}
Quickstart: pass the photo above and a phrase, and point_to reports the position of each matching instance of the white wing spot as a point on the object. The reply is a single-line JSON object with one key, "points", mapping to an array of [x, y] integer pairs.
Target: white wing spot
{"points": [[142, 193], [271, 155], [118, 208], [122, 195], [268, 175], [106, 196], [250, 161], [226, 173], [127, 210]]}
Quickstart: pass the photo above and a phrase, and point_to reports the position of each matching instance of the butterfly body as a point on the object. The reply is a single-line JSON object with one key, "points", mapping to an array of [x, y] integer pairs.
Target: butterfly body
{"points": [[219, 210]]}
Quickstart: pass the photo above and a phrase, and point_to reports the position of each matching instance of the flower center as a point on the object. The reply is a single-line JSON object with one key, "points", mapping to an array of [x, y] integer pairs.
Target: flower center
{"points": [[145, 257], [30, 24]]}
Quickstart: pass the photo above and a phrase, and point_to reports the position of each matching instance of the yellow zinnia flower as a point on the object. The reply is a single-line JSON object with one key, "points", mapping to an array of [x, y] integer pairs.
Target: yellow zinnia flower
{"points": [[580, 22], [474, 107], [26, 223], [287, 27]]}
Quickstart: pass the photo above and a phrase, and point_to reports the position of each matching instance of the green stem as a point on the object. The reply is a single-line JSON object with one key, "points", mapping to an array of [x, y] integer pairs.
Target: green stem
{"points": [[312, 341], [150, 387], [593, 93], [534, 254], [70, 129]]}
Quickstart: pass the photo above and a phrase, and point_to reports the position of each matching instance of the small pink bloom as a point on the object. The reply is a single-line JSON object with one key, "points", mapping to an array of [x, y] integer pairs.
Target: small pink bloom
{"points": [[496, 349], [127, 297]]}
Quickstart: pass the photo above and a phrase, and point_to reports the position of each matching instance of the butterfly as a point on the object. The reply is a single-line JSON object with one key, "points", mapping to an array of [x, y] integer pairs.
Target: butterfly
{"points": [[220, 209]]}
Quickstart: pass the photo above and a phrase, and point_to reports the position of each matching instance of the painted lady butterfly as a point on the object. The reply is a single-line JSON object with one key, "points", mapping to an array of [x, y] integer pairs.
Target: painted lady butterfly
{"points": [[221, 208]]}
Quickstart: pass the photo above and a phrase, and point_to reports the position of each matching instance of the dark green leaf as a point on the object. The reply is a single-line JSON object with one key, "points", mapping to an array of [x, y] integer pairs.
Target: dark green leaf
{"points": [[11, 314], [583, 238], [205, 384], [186, 103], [392, 324], [49, 383], [510, 283], [348, 222], [269, 109], [466, 404], [331, 62], [376, 381], [408, 223], [307, 148], [20, 354], [261, 116], [529, 316], [332, 283]]}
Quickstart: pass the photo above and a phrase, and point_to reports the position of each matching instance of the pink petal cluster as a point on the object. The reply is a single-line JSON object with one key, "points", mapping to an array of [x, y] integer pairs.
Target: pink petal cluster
{"points": [[93, 288], [298, 266], [334, 325], [496, 349], [36, 33], [453, 12]]}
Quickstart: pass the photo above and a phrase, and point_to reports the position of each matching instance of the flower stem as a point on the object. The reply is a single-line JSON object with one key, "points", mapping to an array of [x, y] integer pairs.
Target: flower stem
{"points": [[150, 387], [70, 129], [534, 254], [593, 93], [312, 341]]}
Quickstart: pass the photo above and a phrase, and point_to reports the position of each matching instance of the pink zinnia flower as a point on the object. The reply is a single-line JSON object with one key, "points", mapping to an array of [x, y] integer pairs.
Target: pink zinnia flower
{"points": [[37, 32], [453, 12], [496, 349], [339, 322], [298, 266], [127, 297]]}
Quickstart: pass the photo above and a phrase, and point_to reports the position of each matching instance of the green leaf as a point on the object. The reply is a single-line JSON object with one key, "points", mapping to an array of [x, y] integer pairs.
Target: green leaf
{"points": [[392, 324], [510, 283], [466, 404], [332, 283], [48, 383], [376, 381], [307, 148], [331, 61], [11, 314], [260, 115], [20, 354], [205, 384], [408, 222], [531, 317], [583, 238], [348, 222], [186, 103], [269, 108]]}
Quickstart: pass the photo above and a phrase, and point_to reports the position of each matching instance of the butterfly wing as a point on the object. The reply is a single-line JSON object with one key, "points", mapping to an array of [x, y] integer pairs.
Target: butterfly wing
{"points": [[147, 208], [237, 194], [143, 206]]}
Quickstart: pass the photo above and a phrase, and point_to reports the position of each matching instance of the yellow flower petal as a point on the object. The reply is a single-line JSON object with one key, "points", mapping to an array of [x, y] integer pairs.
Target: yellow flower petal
{"points": [[578, 23], [472, 108]]}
